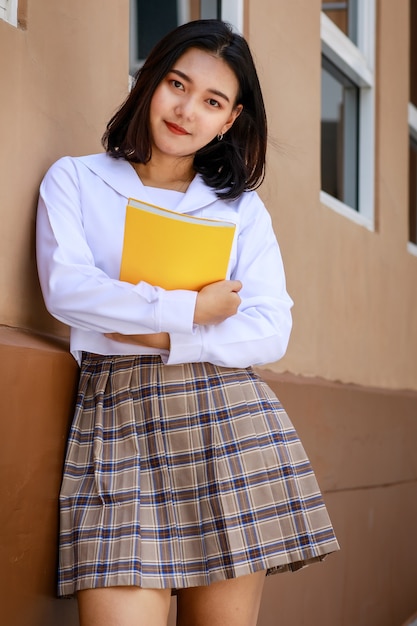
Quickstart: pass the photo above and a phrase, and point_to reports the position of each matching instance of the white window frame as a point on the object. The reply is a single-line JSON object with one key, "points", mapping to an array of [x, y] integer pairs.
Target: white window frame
{"points": [[8, 11], [358, 63], [412, 128], [232, 12]]}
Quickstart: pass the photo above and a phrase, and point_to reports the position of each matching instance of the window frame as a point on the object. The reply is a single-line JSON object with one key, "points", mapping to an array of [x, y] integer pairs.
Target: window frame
{"points": [[232, 12], [412, 129], [357, 62], [8, 11]]}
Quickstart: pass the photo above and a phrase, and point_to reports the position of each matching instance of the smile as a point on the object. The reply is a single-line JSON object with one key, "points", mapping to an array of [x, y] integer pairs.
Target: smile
{"points": [[177, 130]]}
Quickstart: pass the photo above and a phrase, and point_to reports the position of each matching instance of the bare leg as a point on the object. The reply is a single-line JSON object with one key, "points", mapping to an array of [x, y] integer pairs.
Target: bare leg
{"points": [[123, 606], [232, 602]]}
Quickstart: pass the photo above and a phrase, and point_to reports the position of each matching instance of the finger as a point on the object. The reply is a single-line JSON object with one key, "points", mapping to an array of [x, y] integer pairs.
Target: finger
{"points": [[236, 285]]}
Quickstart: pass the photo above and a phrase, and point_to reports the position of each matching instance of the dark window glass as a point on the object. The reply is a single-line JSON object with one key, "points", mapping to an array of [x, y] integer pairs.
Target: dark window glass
{"points": [[339, 135], [412, 181], [413, 190], [344, 15], [154, 20], [413, 52]]}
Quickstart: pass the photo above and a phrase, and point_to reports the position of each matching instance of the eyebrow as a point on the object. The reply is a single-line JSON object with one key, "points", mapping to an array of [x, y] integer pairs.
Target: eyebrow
{"points": [[215, 92]]}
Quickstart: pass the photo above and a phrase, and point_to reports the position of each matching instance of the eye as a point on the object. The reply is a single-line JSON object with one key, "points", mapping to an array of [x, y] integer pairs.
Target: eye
{"points": [[213, 103], [176, 83]]}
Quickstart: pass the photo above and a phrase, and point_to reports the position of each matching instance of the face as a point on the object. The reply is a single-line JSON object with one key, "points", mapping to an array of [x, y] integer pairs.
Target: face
{"points": [[194, 103]]}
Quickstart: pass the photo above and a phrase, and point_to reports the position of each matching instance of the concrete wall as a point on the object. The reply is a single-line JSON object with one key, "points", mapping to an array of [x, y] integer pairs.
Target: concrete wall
{"points": [[355, 307], [349, 380], [361, 442], [63, 73], [37, 394], [62, 76]]}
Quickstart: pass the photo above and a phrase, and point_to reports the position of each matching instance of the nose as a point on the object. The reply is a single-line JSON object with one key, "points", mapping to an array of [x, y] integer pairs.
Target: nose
{"points": [[186, 108]]}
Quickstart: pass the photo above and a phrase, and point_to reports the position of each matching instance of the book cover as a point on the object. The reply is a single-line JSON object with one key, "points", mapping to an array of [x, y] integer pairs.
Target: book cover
{"points": [[174, 250]]}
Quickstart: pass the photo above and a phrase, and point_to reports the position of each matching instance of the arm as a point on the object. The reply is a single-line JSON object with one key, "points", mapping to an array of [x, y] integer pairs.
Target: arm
{"points": [[75, 290], [214, 304], [259, 332]]}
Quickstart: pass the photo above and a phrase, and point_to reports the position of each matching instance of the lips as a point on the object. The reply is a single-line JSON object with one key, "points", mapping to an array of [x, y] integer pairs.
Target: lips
{"points": [[177, 130]]}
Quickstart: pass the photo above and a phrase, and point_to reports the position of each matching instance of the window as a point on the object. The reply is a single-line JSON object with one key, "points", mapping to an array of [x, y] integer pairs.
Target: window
{"points": [[412, 124], [339, 135], [150, 21], [347, 108], [8, 11]]}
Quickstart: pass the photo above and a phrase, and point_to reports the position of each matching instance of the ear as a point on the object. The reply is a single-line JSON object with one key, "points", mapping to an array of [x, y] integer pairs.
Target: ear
{"points": [[233, 116]]}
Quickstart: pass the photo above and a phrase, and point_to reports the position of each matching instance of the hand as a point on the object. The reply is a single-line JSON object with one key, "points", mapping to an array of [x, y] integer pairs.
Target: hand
{"points": [[217, 301], [153, 340]]}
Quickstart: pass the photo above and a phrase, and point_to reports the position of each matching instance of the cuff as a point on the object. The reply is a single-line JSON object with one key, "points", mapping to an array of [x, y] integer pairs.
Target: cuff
{"points": [[185, 348], [176, 311]]}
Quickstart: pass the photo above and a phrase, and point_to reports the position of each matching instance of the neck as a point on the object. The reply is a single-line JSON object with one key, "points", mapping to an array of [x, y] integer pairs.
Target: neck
{"points": [[165, 175]]}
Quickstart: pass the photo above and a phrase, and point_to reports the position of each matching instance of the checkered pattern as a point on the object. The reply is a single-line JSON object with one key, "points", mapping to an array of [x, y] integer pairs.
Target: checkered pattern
{"points": [[183, 475]]}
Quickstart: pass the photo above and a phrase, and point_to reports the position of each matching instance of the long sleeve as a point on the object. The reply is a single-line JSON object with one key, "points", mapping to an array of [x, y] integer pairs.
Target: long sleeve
{"points": [[79, 239], [260, 331]]}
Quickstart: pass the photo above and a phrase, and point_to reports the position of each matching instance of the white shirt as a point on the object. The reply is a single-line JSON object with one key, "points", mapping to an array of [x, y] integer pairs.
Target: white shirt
{"points": [[80, 227]]}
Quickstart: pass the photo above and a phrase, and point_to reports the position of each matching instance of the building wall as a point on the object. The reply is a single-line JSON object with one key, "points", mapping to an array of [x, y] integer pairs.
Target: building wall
{"points": [[62, 77], [38, 379], [63, 73], [349, 380], [355, 327], [354, 302], [361, 442]]}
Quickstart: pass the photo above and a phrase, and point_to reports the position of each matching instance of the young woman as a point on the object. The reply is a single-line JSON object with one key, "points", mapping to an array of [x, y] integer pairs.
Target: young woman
{"points": [[183, 471]]}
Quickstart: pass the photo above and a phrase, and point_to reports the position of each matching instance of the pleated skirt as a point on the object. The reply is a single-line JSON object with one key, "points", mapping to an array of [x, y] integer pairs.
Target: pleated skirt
{"points": [[183, 475]]}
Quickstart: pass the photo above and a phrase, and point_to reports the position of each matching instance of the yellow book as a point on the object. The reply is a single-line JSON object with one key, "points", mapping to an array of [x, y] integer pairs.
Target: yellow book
{"points": [[173, 250]]}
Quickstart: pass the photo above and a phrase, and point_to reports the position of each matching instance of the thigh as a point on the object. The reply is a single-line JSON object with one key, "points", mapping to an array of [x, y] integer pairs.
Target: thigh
{"points": [[123, 606], [234, 602]]}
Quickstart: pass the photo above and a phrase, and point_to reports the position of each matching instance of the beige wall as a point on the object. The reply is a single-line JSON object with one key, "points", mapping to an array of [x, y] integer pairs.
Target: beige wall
{"points": [[354, 290], [38, 380], [361, 443], [61, 79], [62, 74]]}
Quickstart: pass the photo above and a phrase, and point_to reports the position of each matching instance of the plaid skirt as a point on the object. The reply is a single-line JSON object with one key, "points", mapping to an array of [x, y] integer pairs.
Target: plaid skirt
{"points": [[182, 475]]}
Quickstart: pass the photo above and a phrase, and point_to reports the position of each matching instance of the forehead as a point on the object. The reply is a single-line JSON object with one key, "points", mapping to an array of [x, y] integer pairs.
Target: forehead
{"points": [[205, 68]]}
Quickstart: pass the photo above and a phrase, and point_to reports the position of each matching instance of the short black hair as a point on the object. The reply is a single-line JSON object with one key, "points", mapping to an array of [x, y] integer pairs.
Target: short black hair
{"points": [[231, 166]]}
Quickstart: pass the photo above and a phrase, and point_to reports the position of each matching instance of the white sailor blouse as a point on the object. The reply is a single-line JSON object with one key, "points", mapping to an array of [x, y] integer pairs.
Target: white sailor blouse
{"points": [[80, 228]]}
